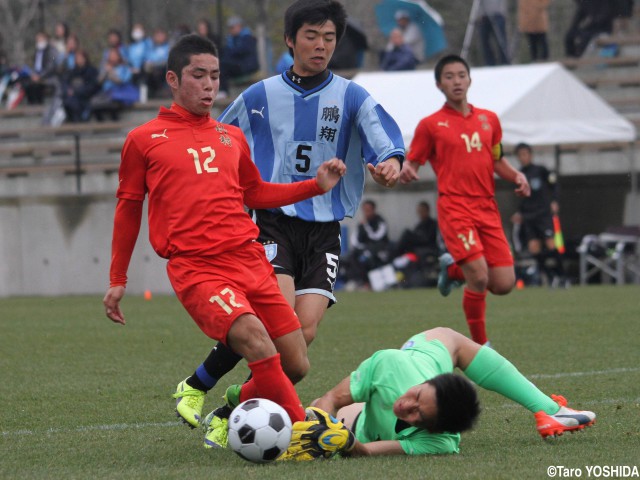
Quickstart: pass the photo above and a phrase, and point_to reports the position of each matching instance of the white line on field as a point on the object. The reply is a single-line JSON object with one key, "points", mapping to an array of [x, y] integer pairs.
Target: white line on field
{"points": [[134, 426], [90, 428], [582, 374]]}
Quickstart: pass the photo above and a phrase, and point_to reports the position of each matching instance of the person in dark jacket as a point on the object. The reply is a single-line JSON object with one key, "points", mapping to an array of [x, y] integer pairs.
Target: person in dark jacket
{"points": [[43, 71], [240, 54], [535, 216], [78, 86], [370, 245], [400, 57]]}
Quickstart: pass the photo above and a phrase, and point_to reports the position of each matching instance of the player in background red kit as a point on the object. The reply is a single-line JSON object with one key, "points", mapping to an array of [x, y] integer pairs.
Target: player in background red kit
{"points": [[198, 175], [462, 143]]}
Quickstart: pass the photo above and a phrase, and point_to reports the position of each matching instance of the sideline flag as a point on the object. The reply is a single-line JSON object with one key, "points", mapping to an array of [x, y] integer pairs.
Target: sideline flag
{"points": [[557, 234]]}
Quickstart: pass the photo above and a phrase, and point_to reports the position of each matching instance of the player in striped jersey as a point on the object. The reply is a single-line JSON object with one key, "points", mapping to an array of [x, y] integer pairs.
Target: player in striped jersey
{"points": [[293, 122]]}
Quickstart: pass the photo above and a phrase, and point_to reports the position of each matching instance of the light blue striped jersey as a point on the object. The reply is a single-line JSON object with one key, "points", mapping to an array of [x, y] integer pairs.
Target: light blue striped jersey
{"points": [[291, 132]]}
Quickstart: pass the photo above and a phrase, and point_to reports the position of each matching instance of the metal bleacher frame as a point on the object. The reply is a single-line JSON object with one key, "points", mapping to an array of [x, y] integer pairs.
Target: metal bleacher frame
{"points": [[612, 255]]}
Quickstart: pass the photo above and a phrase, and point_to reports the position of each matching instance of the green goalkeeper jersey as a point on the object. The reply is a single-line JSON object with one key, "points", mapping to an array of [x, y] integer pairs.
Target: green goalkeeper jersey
{"points": [[387, 375]]}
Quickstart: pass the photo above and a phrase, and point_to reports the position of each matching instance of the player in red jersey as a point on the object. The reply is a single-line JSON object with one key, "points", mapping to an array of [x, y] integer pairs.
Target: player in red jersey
{"points": [[198, 175], [463, 145]]}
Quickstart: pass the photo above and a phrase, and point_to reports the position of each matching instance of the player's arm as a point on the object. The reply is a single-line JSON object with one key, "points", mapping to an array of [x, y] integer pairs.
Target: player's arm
{"points": [[340, 396], [126, 226], [382, 447], [336, 398], [504, 170], [418, 153], [260, 194]]}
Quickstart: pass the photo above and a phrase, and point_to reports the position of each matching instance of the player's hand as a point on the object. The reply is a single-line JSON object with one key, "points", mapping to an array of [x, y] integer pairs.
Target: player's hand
{"points": [[522, 185], [330, 173], [337, 437], [111, 303], [386, 173], [409, 172], [555, 208], [304, 446]]}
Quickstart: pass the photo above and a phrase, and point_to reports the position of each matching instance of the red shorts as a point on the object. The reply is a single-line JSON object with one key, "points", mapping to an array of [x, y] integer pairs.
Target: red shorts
{"points": [[217, 290], [472, 228]]}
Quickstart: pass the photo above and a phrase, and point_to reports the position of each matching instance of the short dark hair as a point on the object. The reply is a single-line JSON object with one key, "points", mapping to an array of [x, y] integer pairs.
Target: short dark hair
{"points": [[314, 12], [115, 31], [186, 46], [521, 146], [458, 405], [369, 202], [446, 60]]}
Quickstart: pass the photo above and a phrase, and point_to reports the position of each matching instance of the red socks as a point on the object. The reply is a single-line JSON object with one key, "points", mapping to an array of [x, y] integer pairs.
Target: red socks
{"points": [[474, 306], [454, 272], [270, 382]]}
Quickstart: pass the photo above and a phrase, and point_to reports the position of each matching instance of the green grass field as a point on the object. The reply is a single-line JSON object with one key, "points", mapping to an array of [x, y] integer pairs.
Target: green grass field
{"points": [[85, 398]]}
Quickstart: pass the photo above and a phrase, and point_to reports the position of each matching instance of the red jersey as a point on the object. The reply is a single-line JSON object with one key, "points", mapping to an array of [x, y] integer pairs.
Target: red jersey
{"points": [[198, 174], [460, 150]]}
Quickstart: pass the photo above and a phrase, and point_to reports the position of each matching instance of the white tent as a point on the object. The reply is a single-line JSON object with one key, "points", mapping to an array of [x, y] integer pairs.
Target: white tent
{"points": [[542, 104]]}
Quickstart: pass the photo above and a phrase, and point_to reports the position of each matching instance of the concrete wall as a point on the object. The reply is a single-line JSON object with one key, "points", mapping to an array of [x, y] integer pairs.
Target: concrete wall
{"points": [[60, 243]]}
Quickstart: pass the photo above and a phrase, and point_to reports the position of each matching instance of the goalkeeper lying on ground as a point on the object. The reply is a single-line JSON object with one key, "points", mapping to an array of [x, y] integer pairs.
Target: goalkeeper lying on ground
{"points": [[398, 412], [408, 401]]}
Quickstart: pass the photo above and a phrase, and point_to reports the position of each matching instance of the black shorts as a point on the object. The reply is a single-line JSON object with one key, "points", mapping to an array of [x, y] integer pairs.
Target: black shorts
{"points": [[307, 251], [539, 227]]}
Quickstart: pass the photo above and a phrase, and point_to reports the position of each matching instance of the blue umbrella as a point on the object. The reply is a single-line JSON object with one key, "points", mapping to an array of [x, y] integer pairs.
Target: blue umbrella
{"points": [[429, 21]]}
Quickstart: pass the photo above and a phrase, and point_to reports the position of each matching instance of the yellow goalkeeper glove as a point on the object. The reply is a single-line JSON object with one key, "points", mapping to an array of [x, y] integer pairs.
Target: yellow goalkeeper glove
{"points": [[304, 446], [336, 437]]}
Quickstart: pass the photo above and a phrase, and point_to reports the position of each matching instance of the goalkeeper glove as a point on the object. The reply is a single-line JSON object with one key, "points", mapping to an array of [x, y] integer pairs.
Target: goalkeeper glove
{"points": [[336, 437], [304, 442]]}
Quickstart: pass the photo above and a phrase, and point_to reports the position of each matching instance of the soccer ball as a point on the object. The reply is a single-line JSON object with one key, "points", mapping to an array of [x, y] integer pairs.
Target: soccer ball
{"points": [[259, 430]]}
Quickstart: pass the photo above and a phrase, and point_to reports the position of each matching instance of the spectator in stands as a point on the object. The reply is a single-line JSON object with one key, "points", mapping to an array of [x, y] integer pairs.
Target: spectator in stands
{"points": [[591, 17], [114, 40], [423, 237], [60, 34], [533, 21], [5, 72], [204, 29], [68, 60], [137, 51], [117, 88], [491, 18], [43, 73], [369, 246], [155, 64], [400, 56], [535, 216], [411, 34], [78, 86], [239, 56]]}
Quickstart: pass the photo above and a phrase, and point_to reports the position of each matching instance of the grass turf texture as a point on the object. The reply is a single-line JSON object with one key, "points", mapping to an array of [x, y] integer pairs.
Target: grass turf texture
{"points": [[85, 398]]}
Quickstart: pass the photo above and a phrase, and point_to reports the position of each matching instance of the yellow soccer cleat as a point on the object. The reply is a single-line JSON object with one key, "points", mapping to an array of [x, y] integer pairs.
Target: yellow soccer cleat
{"points": [[217, 429], [189, 402]]}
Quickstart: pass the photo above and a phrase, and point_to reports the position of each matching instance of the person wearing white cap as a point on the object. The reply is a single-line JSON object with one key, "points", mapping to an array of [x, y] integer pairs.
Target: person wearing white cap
{"points": [[411, 34]]}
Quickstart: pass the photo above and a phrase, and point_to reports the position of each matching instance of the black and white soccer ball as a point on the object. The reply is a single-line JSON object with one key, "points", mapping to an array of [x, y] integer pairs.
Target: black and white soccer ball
{"points": [[259, 430]]}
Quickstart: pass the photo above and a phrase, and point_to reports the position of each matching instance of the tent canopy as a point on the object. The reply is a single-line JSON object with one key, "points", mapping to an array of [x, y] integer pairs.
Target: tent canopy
{"points": [[541, 104]]}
